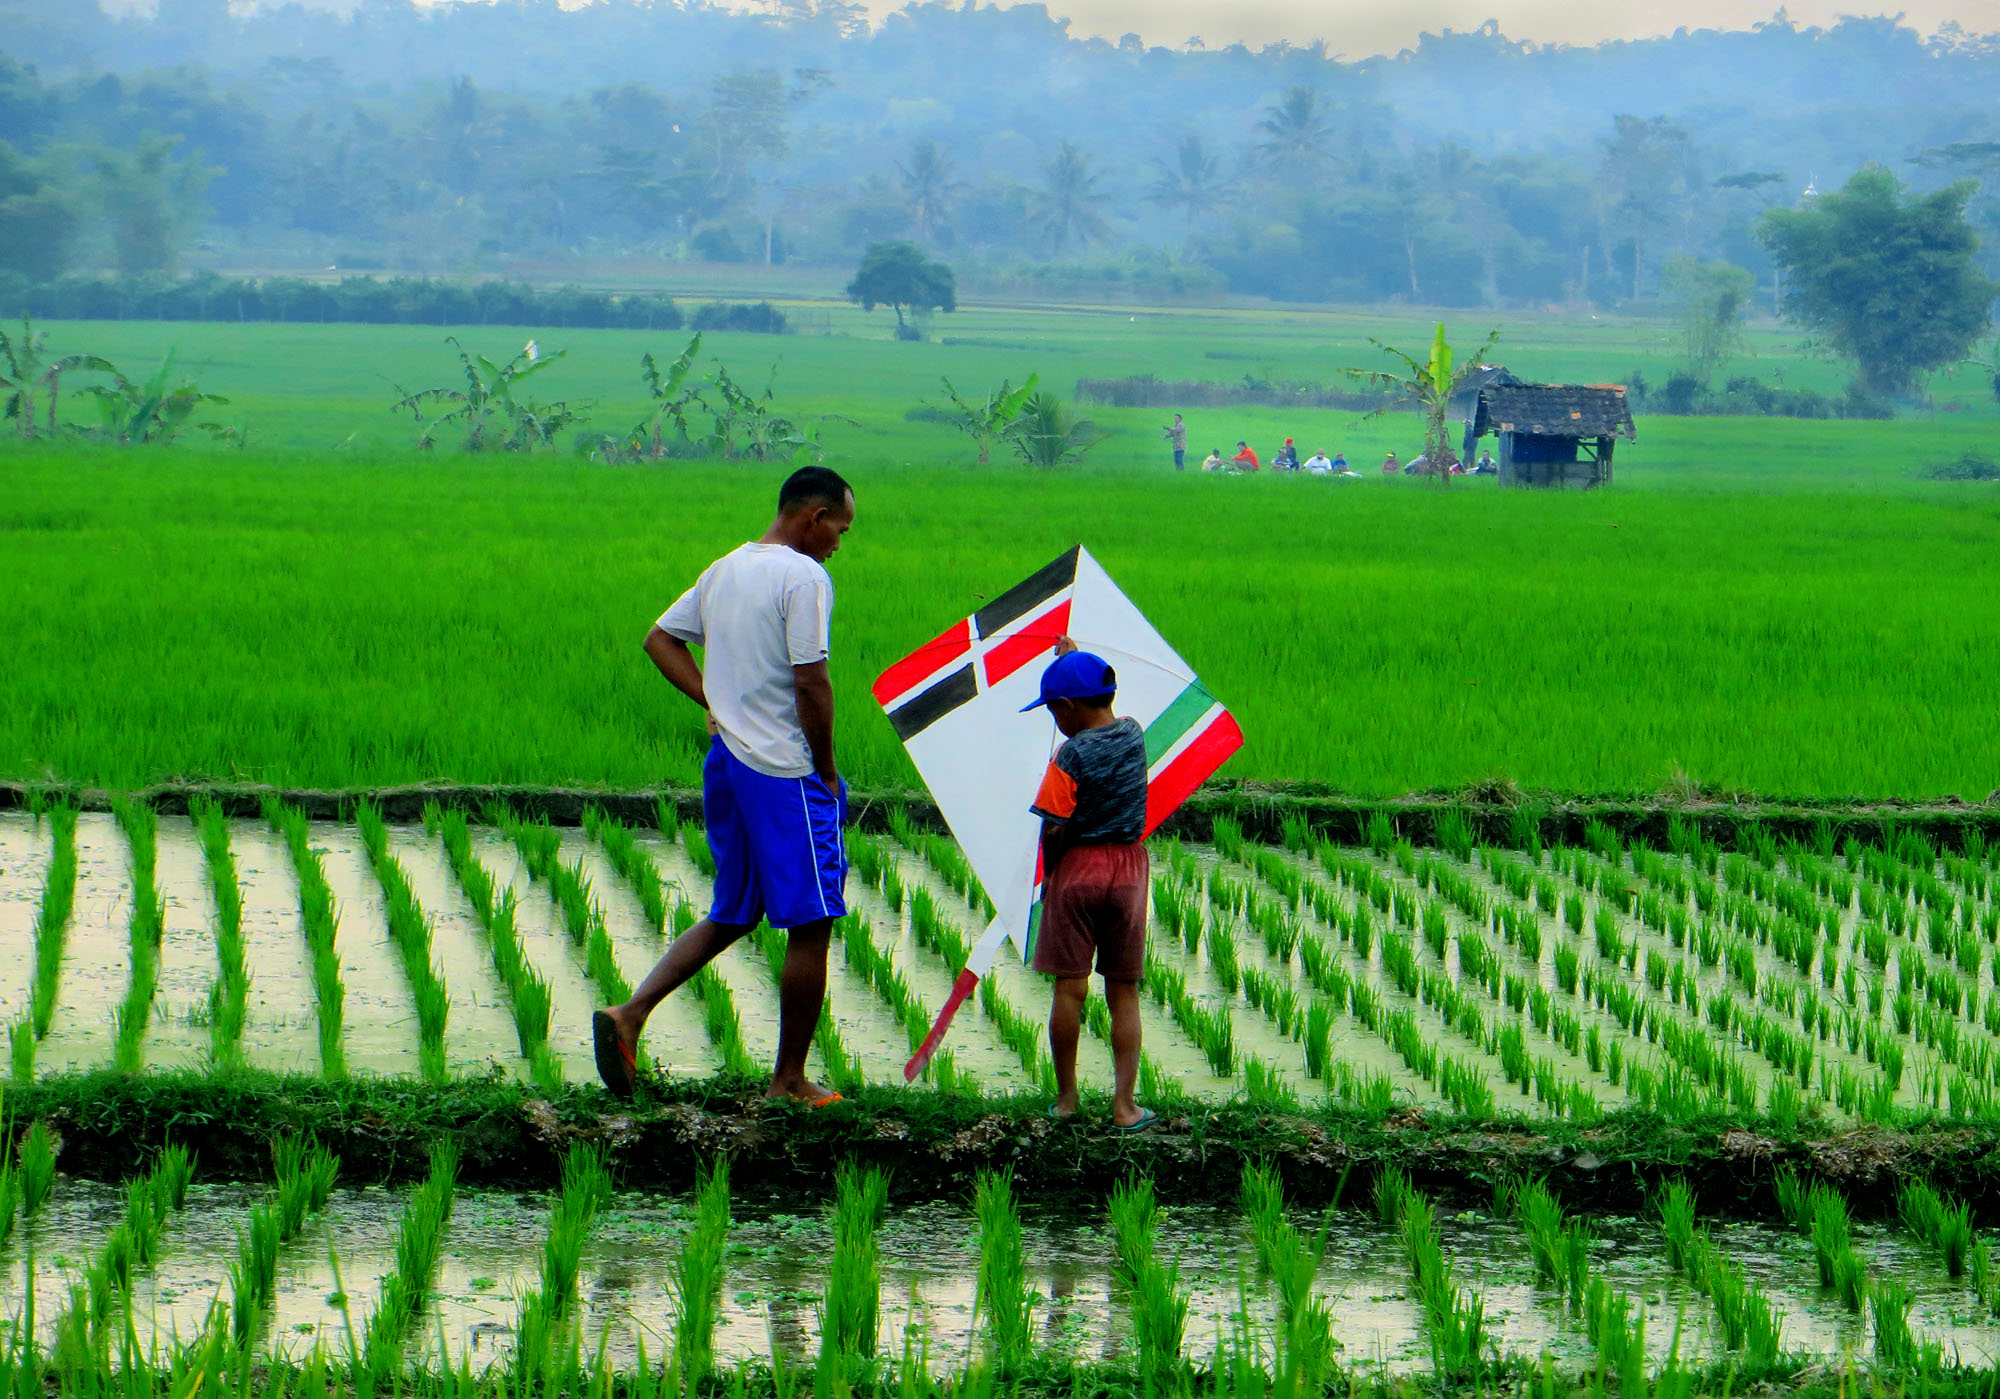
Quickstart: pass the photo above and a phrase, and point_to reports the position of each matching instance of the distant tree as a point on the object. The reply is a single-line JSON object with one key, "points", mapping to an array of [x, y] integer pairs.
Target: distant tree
{"points": [[929, 189], [896, 275], [1045, 434], [1297, 138], [37, 226], [1708, 300], [1889, 279], [987, 422], [1066, 206], [152, 201], [1192, 182], [1645, 176]]}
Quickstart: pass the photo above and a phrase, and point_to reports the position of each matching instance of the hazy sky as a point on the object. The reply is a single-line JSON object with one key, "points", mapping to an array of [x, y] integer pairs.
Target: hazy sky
{"points": [[1358, 28]]}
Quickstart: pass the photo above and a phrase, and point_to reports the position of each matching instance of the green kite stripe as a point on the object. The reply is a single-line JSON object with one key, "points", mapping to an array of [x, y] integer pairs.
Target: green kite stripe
{"points": [[1175, 720]]}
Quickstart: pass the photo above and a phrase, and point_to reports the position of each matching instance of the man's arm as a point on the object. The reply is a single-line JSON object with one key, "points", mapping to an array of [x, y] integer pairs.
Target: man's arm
{"points": [[677, 663], [815, 690]]}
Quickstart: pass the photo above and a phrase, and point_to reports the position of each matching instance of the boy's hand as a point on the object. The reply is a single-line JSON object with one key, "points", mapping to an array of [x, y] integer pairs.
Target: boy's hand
{"points": [[1065, 645]]}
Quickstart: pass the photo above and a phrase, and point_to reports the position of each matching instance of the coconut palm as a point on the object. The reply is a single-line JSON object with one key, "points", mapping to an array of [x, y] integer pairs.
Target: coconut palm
{"points": [[1066, 206], [1193, 181], [1296, 134], [929, 189]]}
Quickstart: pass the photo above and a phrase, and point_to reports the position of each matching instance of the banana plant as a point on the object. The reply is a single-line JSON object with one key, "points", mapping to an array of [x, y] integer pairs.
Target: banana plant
{"points": [[152, 413], [493, 418], [986, 423], [1429, 384], [27, 375], [1044, 434]]}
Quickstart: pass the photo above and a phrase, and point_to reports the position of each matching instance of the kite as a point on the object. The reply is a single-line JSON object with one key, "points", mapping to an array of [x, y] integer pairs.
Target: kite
{"points": [[955, 703]]}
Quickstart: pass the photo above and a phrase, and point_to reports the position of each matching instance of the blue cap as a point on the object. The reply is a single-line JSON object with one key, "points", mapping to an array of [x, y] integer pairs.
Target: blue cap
{"points": [[1078, 675]]}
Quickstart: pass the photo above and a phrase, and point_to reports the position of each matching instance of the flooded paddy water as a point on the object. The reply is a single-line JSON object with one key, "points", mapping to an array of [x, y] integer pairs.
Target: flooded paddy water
{"points": [[775, 1273]]}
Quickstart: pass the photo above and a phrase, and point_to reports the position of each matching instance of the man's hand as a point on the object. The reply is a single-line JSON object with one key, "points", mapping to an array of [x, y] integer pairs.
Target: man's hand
{"points": [[815, 699]]}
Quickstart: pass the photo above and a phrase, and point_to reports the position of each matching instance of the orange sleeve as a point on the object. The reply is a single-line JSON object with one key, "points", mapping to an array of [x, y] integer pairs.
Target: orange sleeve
{"points": [[1057, 798]]}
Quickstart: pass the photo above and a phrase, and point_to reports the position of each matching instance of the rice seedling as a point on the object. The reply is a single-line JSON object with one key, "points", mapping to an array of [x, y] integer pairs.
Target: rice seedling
{"points": [[718, 1018], [306, 1175], [1002, 1298], [52, 921], [319, 920], [230, 992], [407, 1289], [1945, 1226], [851, 1317], [696, 1279], [1292, 1264], [585, 1189], [253, 1276], [144, 932], [410, 931], [634, 866], [529, 999], [1895, 1348], [1617, 1330], [541, 851], [1560, 1246], [1454, 1320], [37, 1171], [1153, 1288]]}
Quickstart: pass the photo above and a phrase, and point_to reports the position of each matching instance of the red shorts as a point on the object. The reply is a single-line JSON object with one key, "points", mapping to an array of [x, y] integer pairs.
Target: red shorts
{"points": [[1095, 903]]}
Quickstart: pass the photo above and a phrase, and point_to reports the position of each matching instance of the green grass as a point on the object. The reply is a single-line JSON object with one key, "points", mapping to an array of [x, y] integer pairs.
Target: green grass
{"points": [[1758, 605]]}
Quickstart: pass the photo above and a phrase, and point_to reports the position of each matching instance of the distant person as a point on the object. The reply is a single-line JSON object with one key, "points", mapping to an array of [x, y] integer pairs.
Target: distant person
{"points": [[1287, 458], [773, 799], [1340, 464], [1092, 803], [1245, 459], [1214, 461], [1390, 466], [1419, 465], [1176, 434], [1485, 466], [1318, 464]]}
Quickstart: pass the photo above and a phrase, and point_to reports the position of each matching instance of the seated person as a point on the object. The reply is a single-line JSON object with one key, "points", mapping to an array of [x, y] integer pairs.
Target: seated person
{"points": [[1245, 459], [1340, 466], [1318, 464], [1419, 465], [1485, 466], [1287, 458], [1213, 461], [1390, 466]]}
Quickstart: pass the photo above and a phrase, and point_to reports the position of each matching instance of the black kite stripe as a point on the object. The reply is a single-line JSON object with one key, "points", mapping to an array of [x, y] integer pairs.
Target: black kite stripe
{"points": [[933, 704], [1042, 585]]}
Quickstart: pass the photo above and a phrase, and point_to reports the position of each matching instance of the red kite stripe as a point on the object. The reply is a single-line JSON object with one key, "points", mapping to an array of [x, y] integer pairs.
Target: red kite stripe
{"points": [[1209, 750], [927, 660], [1037, 638]]}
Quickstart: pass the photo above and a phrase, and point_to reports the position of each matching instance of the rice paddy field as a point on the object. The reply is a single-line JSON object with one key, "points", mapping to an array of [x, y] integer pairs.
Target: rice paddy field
{"points": [[1494, 1099], [1808, 988]]}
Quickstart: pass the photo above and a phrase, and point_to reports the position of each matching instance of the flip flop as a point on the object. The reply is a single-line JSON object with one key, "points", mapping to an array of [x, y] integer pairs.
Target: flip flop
{"points": [[809, 1103], [1147, 1120], [616, 1064], [1055, 1116]]}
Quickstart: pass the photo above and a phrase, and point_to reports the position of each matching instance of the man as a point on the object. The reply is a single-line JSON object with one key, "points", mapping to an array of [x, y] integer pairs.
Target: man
{"points": [[1176, 434], [1318, 464], [773, 799], [1245, 459], [1287, 458]]}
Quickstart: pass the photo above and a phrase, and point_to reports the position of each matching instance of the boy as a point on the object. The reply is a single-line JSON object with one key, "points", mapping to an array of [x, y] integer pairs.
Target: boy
{"points": [[1093, 808]]}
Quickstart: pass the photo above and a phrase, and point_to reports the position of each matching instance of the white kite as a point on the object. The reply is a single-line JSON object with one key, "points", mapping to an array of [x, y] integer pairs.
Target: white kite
{"points": [[956, 702]]}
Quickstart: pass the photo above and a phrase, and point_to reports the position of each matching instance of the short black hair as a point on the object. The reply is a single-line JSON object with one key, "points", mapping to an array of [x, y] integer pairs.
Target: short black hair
{"points": [[813, 485]]}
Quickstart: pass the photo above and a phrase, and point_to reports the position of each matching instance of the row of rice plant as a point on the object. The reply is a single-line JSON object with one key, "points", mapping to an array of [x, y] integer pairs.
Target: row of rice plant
{"points": [[51, 935], [1454, 1320], [696, 1280], [229, 993], [1559, 1245], [1820, 1212], [850, 1319], [1305, 1318], [1750, 1324], [631, 862], [1158, 1300], [84, 1330], [144, 933], [866, 959], [942, 854], [543, 1329], [305, 1178], [1002, 1300], [875, 867], [529, 1000], [319, 921], [410, 931], [541, 851], [406, 1290]]}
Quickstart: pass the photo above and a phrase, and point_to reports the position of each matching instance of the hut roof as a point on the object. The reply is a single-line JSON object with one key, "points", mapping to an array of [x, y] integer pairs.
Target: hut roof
{"points": [[1555, 410]]}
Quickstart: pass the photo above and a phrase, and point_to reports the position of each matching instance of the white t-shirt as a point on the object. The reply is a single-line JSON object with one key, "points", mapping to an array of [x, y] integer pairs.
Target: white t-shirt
{"points": [[757, 612]]}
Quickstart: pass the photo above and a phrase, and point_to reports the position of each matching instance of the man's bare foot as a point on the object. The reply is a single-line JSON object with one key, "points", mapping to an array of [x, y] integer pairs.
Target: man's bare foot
{"points": [[801, 1091], [1063, 1109]]}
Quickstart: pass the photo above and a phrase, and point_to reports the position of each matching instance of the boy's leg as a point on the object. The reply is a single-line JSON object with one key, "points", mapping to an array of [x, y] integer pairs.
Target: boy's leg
{"points": [[686, 955], [801, 992], [1123, 998], [1065, 1023]]}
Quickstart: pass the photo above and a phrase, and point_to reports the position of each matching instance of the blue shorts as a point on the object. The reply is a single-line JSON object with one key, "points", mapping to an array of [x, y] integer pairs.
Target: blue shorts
{"points": [[778, 849]]}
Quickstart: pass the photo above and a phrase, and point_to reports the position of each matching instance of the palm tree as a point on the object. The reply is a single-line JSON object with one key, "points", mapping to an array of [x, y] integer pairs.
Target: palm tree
{"points": [[1296, 135], [1192, 181], [1067, 204], [929, 188]]}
